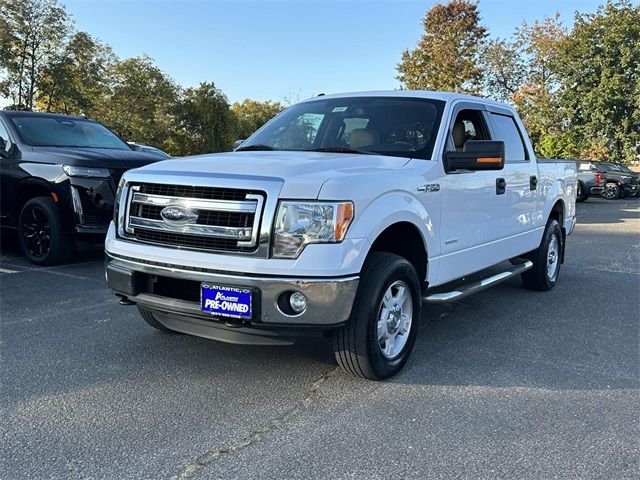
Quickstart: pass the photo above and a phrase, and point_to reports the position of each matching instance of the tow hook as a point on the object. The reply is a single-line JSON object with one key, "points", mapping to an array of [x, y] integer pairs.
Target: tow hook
{"points": [[124, 300]]}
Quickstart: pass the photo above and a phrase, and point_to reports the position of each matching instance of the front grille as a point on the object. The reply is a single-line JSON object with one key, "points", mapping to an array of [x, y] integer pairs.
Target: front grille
{"points": [[205, 217], [212, 218], [190, 241], [189, 191]]}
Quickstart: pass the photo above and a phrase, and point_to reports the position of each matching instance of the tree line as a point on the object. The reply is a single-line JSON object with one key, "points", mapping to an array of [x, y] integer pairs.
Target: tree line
{"points": [[577, 90]]}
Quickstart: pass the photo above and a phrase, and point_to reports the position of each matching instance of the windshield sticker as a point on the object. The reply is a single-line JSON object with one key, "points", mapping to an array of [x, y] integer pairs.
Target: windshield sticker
{"points": [[339, 109]]}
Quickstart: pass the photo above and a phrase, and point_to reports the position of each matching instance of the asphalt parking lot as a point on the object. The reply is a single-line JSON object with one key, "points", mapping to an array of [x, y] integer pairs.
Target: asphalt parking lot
{"points": [[508, 383]]}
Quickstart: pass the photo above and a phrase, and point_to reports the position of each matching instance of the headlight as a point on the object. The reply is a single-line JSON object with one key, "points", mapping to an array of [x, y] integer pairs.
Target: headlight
{"points": [[300, 223], [86, 172]]}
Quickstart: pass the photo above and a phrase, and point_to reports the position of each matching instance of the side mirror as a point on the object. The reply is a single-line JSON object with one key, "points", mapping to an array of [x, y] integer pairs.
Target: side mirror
{"points": [[237, 143], [476, 155]]}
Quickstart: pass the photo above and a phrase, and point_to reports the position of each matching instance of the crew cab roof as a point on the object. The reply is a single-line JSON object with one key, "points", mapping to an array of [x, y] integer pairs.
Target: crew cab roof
{"points": [[433, 95]]}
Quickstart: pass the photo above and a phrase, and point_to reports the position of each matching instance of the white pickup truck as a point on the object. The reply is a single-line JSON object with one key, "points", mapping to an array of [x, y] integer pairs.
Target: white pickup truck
{"points": [[342, 217]]}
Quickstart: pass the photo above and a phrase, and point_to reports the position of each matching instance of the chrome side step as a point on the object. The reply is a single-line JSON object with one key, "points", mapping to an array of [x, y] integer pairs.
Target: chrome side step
{"points": [[469, 289]]}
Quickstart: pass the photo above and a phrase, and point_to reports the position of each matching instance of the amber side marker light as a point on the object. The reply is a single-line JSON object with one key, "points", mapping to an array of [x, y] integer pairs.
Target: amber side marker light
{"points": [[54, 196], [488, 160]]}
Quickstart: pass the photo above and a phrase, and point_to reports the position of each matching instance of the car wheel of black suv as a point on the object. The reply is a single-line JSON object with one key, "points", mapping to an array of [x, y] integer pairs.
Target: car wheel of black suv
{"points": [[381, 331], [40, 233], [581, 193], [546, 260], [611, 191]]}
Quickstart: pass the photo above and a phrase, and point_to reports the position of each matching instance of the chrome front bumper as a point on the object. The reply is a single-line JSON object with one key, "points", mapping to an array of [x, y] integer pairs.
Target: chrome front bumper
{"points": [[329, 299]]}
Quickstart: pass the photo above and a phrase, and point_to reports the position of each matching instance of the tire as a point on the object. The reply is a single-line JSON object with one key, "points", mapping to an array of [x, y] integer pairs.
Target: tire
{"points": [[611, 191], [147, 316], [544, 274], [581, 195], [375, 349], [40, 233]]}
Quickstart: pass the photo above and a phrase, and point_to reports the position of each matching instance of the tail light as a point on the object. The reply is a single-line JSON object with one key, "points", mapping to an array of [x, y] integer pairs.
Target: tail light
{"points": [[598, 179]]}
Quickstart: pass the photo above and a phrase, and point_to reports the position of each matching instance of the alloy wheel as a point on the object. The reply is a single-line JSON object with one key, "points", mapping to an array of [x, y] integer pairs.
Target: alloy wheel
{"points": [[394, 321], [36, 232]]}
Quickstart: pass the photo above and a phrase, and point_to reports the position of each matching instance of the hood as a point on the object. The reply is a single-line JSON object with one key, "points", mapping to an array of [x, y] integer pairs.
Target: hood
{"points": [[95, 157], [303, 173]]}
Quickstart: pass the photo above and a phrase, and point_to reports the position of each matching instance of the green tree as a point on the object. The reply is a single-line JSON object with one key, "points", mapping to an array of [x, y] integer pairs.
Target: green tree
{"points": [[537, 98], [203, 122], [505, 69], [599, 65], [448, 54], [33, 32], [139, 103], [76, 82], [250, 115]]}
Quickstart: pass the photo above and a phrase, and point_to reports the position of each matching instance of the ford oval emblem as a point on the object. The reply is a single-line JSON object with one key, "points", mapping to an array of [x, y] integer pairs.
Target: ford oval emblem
{"points": [[177, 215]]}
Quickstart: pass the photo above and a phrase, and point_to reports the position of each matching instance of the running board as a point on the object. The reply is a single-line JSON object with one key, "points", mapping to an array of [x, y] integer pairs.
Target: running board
{"points": [[465, 290]]}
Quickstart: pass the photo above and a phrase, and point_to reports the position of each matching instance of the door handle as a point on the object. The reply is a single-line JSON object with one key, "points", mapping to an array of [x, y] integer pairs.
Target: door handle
{"points": [[501, 186], [533, 182]]}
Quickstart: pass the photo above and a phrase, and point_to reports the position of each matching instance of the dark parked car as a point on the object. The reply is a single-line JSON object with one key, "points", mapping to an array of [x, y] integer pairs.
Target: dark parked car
{"points": [[616, 182], [588, 177], [59, 177], [140, 147]]}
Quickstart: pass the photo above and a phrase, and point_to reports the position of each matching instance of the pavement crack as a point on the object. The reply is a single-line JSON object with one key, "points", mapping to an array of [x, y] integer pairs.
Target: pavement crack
{"points": [[255, 435]]}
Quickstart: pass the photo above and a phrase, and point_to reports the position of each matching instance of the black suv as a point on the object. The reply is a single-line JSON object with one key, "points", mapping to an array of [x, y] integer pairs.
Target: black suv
{"points": [[59, 178], [617, 181]]}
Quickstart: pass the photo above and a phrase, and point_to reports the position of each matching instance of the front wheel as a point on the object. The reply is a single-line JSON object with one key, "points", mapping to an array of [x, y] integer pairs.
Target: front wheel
{"points": [[379, 336], [546, 260], [40, 233], [611, 191], [148, 316]]}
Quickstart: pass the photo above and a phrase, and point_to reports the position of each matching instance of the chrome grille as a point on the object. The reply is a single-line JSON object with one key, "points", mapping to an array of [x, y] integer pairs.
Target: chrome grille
{"points": [[221, 219]]}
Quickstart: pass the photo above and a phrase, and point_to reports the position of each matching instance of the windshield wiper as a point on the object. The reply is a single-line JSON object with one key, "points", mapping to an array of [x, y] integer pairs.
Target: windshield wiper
{"points": [[341, 150], [256, 148]]}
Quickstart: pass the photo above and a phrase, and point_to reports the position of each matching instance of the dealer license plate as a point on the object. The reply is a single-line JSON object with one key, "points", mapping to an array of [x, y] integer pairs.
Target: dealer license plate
{"points": [[226, 301]]}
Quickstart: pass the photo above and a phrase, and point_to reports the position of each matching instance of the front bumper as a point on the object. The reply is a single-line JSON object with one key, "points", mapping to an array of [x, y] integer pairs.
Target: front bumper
{"points": [[175, 291]]}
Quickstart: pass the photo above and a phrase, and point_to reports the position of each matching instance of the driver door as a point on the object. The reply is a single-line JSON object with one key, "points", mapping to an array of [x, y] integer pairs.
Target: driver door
{"points": [[472, 206]]}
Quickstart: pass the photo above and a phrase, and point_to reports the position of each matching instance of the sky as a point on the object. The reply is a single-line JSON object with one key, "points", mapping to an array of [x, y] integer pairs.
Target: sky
{"points": [[287, 49]]}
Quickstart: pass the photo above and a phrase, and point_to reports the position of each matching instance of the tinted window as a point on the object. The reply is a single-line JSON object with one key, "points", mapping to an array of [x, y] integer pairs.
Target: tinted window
{"points": [[507, 131], [65, 132], [404, 127]]}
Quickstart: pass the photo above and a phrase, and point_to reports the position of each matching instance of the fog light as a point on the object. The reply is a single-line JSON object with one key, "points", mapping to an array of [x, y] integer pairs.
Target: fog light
{"points": [[298, 302]]}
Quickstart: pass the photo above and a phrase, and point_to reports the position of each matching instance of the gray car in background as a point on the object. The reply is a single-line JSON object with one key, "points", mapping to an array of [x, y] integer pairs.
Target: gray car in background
{"points": [[589, 176]]}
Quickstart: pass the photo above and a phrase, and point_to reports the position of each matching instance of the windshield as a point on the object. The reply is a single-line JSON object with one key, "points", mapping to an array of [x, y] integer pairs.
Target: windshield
{"points": [[65, 132], [405, 127], [624, 168], [603, 167]]}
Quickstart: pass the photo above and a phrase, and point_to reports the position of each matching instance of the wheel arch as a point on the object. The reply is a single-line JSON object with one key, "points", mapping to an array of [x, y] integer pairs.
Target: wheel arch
{"points": [[32, 187], [412, 247]]}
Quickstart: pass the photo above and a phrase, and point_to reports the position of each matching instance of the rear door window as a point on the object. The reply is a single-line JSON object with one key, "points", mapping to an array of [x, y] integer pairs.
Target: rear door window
{"points": [[506, 130]]}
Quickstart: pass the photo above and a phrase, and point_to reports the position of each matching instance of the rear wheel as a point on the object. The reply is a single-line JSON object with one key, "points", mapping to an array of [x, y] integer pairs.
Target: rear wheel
{"points": [[611, 191], [546, 260], [379, 336], [581, 193], [149, 317], [40, 233]]}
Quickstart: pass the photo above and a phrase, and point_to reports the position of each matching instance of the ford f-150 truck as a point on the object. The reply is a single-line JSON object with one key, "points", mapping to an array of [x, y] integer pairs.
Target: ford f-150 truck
{"points": [[341, 217]]}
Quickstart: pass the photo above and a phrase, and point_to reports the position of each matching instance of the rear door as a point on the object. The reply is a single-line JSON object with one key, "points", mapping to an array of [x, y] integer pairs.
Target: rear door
{"points": [[522, 198]]}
